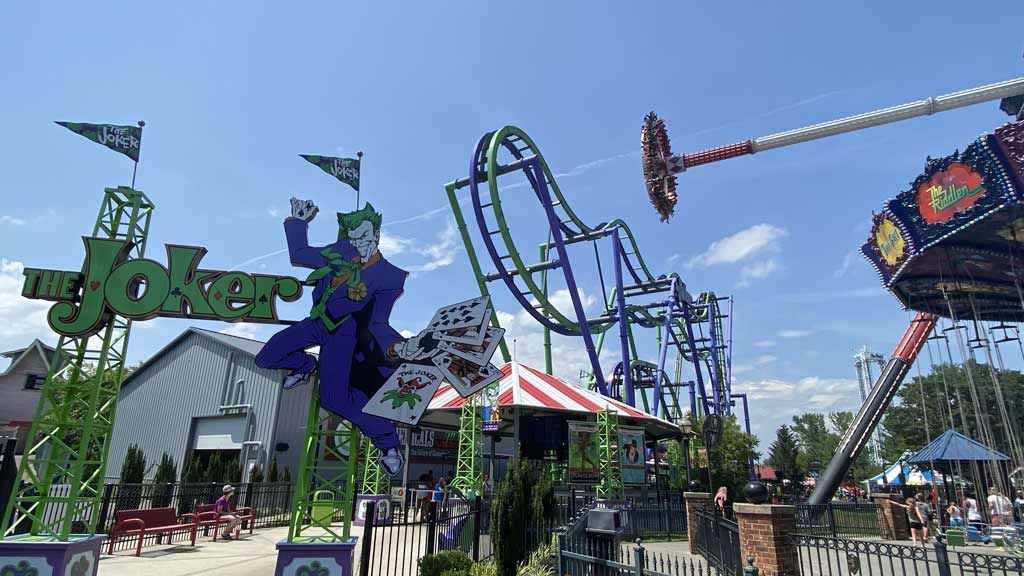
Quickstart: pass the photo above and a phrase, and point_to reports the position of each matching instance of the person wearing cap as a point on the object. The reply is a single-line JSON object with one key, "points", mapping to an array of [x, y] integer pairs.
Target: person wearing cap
{"points": [[225, 510]]}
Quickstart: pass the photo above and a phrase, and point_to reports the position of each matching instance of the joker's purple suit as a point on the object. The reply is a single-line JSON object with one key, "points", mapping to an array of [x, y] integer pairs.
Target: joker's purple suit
{"points": [[287, 349]]}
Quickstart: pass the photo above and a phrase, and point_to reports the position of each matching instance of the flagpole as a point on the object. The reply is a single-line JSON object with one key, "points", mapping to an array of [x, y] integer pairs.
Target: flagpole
{"points": [[359, 155], [135, 168]]}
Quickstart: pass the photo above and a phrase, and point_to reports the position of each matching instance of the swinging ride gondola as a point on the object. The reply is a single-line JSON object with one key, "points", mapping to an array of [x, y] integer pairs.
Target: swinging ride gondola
{"points": [[951, 246]]}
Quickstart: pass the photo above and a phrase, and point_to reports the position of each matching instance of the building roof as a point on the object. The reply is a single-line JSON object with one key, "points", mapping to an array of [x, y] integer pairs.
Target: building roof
{"points": [[244, 345], [530, 388], [953, 446], [765, 472], [46, 352]]}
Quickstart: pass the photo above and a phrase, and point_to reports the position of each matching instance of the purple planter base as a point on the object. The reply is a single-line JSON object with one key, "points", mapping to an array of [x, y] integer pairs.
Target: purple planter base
{"points": [[321, 559], [79, 556], [383, 509]]}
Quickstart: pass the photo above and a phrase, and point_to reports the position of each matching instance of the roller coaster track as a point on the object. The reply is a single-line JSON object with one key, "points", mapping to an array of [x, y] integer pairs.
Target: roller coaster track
{"points": [[509, 150]]}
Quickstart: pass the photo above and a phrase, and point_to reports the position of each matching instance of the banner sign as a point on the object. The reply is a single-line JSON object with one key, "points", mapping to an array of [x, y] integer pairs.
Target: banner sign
{"points": [[141, 289], [344, 169], [584, 465], [124, 139], [889, 246], [633, 463]]}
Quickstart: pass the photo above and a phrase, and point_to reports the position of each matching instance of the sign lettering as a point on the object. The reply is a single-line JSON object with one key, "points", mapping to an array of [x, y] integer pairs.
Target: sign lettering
{"points": [[949, 191]]}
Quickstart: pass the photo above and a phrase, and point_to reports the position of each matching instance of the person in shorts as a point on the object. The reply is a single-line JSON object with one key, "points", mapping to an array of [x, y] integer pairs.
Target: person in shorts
{"points": [[226, 510], [914, 518]]}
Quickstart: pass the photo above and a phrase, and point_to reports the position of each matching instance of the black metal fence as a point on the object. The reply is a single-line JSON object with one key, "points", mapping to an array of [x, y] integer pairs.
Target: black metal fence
{"points": [[396, 544], [824, 556], [718, 540], [578, 555], [838, 519], [270, 501]]}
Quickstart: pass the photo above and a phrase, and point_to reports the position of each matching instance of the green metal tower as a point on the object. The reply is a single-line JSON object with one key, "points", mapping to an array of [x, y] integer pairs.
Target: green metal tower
{"points": [[319, 474], [610, 486], [375, 481], [467, 476], [70, 434]]}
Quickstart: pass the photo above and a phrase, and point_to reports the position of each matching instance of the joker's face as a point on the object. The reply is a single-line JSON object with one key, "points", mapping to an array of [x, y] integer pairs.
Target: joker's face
{"points": [[364, 239]]}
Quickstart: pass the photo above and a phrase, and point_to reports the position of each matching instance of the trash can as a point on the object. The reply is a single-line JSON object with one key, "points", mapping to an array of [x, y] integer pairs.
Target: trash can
{"points": [[323, 506], [604, 534]]}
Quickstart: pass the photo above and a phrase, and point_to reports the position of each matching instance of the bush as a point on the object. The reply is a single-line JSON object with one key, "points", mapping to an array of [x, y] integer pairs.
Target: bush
{"points": [[447, 563], [510, 512], [272, 472], [544, 505], [132, 471], [540, 563], [486, 568], [163, 480], [256, 474]]}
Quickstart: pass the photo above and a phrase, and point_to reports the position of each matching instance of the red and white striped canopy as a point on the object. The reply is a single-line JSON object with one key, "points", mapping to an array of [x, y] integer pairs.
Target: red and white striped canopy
{"points": [[530, 388]]}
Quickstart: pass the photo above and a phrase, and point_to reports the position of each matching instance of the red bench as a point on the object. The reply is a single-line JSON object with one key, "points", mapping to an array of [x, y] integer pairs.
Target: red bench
{"points": [[157, 521], [207, 515]]}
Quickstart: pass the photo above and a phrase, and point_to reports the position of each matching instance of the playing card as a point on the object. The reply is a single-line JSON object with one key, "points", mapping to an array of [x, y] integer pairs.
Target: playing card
{"points": [[466, 377], [478, 354], [405, 395], [461, 315], [473, 335]]}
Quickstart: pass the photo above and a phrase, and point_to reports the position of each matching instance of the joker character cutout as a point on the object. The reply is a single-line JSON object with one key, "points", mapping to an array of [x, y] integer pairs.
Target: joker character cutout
{"points": [[354, 291]]}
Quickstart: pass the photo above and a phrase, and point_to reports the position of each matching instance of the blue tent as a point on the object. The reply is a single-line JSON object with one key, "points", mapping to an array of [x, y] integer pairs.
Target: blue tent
{"points": [[891, 476], [953, 446]]}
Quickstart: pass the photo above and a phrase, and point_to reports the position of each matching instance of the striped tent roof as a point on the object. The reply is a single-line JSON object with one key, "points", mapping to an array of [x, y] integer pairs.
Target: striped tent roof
{"points": [[527, 387]]}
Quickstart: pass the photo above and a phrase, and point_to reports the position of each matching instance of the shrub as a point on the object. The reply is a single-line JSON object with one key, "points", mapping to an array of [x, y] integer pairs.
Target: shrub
{"points": [[447, 563], [272, 472], [132, 472], [540, 563], [256, 474], [486, 568], [215, 468], [510, 512], [544, 505], [163, 480]]}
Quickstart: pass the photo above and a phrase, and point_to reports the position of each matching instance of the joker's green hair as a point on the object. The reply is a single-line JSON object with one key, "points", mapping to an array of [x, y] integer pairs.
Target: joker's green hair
{"points": [[351, 220]]}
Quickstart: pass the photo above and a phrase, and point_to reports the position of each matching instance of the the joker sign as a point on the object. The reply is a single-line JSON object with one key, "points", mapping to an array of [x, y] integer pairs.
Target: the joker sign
{"points": [[354, 291]]}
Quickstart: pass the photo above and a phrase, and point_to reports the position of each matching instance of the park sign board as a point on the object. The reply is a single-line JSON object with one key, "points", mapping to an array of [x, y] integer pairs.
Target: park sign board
{"points": [[140, 289]]}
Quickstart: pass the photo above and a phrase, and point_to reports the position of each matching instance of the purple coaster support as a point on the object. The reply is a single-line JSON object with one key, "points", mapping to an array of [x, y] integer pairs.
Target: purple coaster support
{"points": [[383, 509], [320, 558], [79, 556]]}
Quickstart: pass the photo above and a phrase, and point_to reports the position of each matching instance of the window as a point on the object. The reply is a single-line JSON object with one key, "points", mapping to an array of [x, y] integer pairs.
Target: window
{"points": [[34, 382]]}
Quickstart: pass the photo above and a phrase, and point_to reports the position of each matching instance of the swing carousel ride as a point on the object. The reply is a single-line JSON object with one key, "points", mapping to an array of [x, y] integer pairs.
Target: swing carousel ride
{"points": [[949, 246]]}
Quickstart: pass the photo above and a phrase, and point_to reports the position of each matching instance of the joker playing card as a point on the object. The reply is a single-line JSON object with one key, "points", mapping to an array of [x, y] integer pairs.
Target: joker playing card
{"points": [[406, 394], [472, 335], [465, 377]]}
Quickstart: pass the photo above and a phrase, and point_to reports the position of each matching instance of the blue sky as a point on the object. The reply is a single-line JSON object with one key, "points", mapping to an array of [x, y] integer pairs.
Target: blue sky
{"points": [[232, 92]]}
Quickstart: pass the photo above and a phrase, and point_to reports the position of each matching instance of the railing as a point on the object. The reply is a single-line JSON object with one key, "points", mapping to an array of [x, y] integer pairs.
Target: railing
{"points": [[823, 556], [838, 519], [718, 540], [579, 556]]}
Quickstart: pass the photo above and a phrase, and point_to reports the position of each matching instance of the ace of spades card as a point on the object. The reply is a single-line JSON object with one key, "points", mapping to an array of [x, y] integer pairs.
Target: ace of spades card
{"points": [[405, 395], [466, 377], [478, 354], [462, 315]]}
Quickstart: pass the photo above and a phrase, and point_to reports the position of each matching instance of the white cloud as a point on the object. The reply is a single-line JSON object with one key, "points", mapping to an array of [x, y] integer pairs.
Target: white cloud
{"points": [[844, 266], [244, 330], [391, 245], [765, 343], [409, 333], [5, 219], [21, 319], [440, 253], [757, 271], [273, 212], [760, 361], [795, 333], [759, 238], [775, 401]]}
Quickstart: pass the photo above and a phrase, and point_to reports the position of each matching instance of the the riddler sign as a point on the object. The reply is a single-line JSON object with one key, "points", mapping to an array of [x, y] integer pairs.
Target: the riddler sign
{"points": [[140, 289]]}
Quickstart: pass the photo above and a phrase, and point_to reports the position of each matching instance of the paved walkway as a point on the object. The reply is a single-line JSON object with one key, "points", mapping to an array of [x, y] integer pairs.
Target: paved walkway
{"points": [[253, 555]]}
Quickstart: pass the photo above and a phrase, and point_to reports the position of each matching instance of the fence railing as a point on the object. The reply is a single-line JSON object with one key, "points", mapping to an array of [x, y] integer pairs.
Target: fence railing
{"points": [[718, 540], [824, 556], [578, 555], [838, 519]]}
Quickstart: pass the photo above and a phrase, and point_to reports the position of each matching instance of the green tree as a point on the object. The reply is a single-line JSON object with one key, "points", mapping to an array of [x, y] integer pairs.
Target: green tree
{"points": [[286, 476], [817, 443], [862, 468], [784, 454], [272, 472], [191, 490], [945, 394], [510, 511], [544, 506], [163, 480], [133, 469], [215, 468], [730, 459], [193, 470], [232, 470], [256, 474]]}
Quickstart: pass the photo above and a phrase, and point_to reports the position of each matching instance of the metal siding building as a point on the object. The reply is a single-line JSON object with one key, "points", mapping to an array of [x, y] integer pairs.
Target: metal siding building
{"points": [[203, 391]]}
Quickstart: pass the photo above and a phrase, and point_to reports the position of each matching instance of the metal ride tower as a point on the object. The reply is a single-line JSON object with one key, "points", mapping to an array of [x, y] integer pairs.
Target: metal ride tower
{"points": [[863, 362], [68, 441], [638, 298]]}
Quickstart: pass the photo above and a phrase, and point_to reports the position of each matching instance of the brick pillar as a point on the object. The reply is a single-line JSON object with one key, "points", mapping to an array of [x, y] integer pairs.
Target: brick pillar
{"points": [[764, 534], [892, 519], [694, 501]]}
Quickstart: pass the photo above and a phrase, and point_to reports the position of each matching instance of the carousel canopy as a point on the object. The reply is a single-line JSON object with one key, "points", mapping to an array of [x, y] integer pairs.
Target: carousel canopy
{"points": [[953, 446], [955, 238], [534, 391]]}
